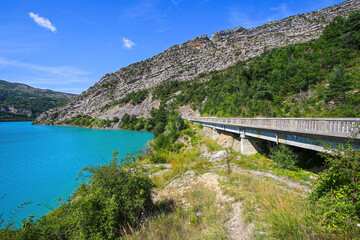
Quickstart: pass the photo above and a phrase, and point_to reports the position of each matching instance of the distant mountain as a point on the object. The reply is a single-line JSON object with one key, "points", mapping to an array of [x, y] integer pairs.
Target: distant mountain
{"points": [[20, 102], [193, 60]]}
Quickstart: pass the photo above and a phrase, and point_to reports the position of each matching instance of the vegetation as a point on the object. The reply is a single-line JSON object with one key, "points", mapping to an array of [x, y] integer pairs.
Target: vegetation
{"points": [[88, 121], [336, 201], [133, 97], [156, 122], [283, 156], [20, 96], [187, 223], [277, 212], [10, 117], [165, 125]]}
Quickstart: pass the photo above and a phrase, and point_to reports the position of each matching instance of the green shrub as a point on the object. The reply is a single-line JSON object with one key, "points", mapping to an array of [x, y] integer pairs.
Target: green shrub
{"points": [[283, 156], [336, 200], [161, 142], [159, 129], [157, 158], [110, 199]]}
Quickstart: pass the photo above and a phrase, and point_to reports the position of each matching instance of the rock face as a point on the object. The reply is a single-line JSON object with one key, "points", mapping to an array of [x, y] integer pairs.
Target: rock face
{"points": [[20, 111], [186, 61]]}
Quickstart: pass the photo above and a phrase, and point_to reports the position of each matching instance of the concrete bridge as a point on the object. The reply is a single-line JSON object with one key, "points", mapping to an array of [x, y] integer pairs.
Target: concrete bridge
{"points": [[307, 133]]}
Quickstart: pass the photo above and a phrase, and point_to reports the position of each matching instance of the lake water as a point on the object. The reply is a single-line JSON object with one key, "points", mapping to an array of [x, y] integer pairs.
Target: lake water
{"points": [[40, 163]]}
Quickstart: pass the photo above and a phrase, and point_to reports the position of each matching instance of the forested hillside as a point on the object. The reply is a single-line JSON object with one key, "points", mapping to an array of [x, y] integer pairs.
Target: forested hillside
{"points": [[320, 78], [19, 102]]}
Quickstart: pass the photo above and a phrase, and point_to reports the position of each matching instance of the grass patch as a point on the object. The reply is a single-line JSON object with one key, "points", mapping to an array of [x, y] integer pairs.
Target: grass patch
{"points": [[212, 145], [180, 163], [277, 211], [200, 218], [254, 162]]}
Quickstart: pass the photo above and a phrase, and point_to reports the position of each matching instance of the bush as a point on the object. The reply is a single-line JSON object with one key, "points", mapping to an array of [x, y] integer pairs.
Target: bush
{"points": [[336, 200], [161, 142], [157, 158], [283, 156], [110, 199], [159, 129]]}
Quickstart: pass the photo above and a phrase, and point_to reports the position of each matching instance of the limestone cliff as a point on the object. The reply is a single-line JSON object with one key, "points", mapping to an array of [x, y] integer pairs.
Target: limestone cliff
{"points": [[186, 61]]}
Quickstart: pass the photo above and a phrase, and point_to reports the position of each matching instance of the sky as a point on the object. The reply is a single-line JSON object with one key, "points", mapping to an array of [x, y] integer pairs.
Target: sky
{"points": [[68, 45]]}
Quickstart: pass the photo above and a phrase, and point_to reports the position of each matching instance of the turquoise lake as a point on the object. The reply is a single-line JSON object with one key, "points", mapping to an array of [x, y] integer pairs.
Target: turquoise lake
{"points": [[40, 163]]}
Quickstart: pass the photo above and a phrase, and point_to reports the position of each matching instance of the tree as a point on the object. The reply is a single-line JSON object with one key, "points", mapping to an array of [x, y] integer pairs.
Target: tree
{"points": [[161, 115], [283, 156], [338, 85], [125, 119]]}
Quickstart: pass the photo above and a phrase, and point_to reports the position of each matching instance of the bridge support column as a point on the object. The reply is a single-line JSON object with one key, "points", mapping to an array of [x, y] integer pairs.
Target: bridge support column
{"points": [[246, 147], [215, 134]]}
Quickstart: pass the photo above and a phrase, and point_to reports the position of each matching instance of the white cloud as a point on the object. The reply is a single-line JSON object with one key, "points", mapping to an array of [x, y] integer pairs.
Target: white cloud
{"points": [[282, 8], [127, 43], [176, 3], [145, 10], [42, 76], [60, 70], [161, 30], [237, 17], [249, 16], [281, 11], [151, 12], [42, 22], [82, 19]]}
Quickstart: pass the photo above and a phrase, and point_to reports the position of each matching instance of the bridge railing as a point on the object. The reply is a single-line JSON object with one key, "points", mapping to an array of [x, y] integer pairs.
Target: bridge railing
{"points": [[338, 126]]}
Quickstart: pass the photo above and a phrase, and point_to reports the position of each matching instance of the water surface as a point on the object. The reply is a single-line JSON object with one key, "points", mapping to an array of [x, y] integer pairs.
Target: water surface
{"points": [[40, 163]]}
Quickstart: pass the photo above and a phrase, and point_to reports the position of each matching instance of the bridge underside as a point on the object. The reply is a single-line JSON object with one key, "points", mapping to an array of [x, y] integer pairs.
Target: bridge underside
{"points": [[248, 146]]}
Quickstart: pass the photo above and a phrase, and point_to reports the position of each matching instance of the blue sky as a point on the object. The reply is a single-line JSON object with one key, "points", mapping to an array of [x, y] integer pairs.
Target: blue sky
{"points": [[68, 45]]}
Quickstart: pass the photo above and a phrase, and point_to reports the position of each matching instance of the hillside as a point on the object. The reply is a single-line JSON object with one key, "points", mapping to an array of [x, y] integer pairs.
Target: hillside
{"points": [[199, 57], [19, 102]]}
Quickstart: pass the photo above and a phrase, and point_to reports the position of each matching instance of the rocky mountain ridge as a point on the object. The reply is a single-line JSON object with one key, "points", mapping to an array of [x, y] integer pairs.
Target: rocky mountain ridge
{"points": [[186, 61]]}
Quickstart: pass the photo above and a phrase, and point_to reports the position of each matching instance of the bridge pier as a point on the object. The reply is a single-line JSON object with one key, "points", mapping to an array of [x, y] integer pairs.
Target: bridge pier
{"points": [[246, 147], [238, 142]]}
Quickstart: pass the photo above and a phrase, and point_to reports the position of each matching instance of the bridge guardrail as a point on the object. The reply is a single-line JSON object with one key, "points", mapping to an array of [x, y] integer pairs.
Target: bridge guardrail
{"points": [[341, 127]]}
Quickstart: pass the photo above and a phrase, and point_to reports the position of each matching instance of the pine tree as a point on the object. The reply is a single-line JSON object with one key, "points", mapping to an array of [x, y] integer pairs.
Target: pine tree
{"points": [[338, 86]]}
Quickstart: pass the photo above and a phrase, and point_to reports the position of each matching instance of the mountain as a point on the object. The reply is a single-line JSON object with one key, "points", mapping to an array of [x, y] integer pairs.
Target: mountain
{"points": [[19, 102], [130, 89]]}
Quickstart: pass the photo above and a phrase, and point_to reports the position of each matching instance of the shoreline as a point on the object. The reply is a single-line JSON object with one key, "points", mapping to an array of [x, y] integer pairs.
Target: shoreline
{"points": [[94, 127]]}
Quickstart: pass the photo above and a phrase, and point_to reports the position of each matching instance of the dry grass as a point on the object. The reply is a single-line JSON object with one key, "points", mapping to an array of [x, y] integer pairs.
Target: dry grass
{"points": [[277, 212], [202, 217], [180, 163], [253, 162], [211, 145]]}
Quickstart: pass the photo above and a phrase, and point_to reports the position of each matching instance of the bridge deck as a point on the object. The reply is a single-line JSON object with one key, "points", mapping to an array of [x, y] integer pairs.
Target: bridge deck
{"points": [[308, 133], [331, 127]]}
